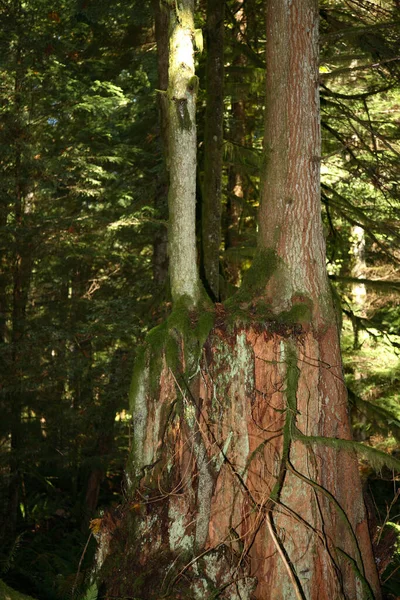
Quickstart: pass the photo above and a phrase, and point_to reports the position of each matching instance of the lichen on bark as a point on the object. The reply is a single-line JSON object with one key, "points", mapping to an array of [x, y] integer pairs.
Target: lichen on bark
{"points": [[182, 154]]}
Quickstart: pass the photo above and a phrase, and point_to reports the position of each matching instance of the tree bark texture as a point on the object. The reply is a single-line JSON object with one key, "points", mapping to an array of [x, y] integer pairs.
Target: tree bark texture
{"points": [[213, 144], [289, 218], [182, 92], [241, 486], [236, 184], [227, 493]]}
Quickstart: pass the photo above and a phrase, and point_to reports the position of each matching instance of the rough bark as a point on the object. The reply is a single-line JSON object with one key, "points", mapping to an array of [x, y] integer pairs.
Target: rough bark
{"points": [[289, 218], [228, 495], [213, 144], [182, 93], [236, 183], [241, 480]]}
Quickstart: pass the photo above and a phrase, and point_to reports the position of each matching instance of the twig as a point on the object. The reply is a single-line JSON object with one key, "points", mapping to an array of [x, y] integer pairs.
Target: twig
{"points": [[80, 564]]}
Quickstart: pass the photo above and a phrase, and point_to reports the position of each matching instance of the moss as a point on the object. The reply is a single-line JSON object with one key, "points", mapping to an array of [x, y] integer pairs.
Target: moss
{"points": [[248, 305], [292, 381], [376, 458], [255, 279], [193, 83], [186, 328], [301, 312]]}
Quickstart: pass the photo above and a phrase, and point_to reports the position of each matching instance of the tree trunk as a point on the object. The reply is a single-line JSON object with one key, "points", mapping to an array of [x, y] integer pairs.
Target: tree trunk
{"points": [[243, 481], [160, 253], [213, 140], [236, 185], [182, 149], [21, 278]]}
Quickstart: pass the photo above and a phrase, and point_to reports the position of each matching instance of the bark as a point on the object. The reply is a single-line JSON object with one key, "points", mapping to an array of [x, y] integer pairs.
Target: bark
{"points": [[213, 144], [240, 484], [289, 219], [182, 93], [227, 497], [236, 184]]}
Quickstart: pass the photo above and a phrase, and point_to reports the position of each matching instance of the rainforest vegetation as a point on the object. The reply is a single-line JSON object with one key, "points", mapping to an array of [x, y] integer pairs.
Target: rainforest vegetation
{"points": [[90, 293]]}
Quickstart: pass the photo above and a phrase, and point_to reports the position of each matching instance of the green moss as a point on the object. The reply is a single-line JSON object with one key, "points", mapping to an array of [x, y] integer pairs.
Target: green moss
{"points": [[264, 264], [186, 328], [193, 83], [301, 312], [376, 458], [292, 381]]}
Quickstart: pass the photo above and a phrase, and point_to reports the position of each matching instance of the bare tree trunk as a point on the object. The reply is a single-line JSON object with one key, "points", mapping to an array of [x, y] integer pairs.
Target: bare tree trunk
{"points": [[182, 151], [21, 276], [236, 185]]}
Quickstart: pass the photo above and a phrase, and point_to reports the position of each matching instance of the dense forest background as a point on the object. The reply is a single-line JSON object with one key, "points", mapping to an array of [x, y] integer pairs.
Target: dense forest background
{"points": [[83, 260]]}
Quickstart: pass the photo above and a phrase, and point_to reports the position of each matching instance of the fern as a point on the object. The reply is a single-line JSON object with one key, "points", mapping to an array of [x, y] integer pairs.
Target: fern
{"points": [[9, 560]]}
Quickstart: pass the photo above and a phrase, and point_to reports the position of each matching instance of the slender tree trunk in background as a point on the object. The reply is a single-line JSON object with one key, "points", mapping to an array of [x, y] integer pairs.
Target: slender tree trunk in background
{"points": [[236, 184], [106, 435], [160, 250], [4, 269], [213, 141], [240, 485], [21, 275], [358, 290]]}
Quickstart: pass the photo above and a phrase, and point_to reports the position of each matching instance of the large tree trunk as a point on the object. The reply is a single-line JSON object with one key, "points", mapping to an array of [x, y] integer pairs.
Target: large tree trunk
{"points": [[241, 479]]}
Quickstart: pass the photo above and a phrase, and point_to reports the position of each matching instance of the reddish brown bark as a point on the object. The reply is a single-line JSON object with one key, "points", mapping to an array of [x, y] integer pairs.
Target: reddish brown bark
{"points": [[289, 218], [231, 498], [207, 462]]}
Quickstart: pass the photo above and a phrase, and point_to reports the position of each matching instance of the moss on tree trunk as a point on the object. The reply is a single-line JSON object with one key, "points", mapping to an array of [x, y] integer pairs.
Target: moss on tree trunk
{"points": [[242, 480]]}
